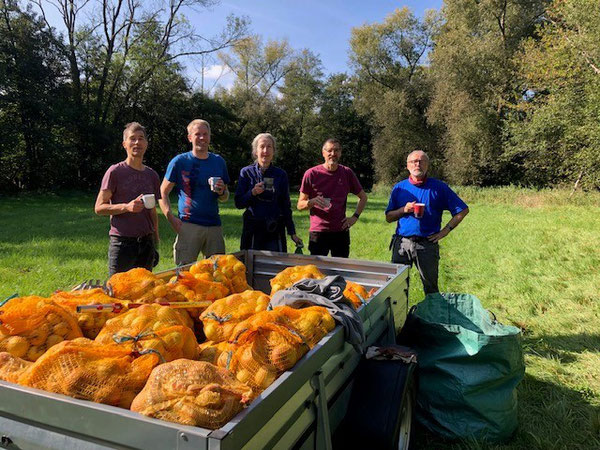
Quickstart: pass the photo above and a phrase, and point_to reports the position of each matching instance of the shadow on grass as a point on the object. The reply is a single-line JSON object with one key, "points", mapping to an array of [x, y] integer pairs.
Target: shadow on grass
{"points": [[580, 342], [561, 347], [551, 416]]}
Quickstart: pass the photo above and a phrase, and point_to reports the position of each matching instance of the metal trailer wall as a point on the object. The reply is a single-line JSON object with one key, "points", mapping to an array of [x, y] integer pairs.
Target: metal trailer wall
{"points": [[301, 408]]}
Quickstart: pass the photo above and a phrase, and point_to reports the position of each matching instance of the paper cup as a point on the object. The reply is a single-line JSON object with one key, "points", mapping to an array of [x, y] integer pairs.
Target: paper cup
{"points": [[419, 210], [212, 181], [149, 201]]}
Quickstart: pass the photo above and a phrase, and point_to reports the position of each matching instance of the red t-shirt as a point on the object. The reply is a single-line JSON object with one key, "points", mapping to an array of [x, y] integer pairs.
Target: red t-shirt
{"points": [[127, 183], [335, 185]]}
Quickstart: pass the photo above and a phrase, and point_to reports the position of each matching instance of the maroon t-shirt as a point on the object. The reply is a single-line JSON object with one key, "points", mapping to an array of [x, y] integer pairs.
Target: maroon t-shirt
{"points": [[127, 183], [334, 185]]}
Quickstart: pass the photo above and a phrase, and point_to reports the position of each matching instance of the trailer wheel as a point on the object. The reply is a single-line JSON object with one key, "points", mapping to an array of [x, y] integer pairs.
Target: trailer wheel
{"points": [[405, 418]]}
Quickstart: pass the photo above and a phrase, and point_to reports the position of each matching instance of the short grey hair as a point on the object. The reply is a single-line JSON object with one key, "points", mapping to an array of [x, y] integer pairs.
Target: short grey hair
{"points": [[258, 138], [197, 122], [417, 151], [133, 127], [332, 141]]}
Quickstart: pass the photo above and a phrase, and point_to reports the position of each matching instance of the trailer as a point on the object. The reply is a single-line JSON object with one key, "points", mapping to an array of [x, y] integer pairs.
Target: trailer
{"points": [[303, 408]]}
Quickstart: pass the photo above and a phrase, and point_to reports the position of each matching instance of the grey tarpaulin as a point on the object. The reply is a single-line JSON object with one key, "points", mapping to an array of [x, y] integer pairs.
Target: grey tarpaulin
{"points": [[328, 292]]}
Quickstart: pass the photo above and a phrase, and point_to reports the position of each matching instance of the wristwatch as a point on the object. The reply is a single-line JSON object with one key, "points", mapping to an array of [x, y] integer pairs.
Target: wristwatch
{"points": [[357, 215], [450, 227]]}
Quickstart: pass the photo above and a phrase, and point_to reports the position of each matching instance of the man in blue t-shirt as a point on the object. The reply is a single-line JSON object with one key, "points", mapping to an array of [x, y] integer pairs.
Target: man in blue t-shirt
{"points": [[417, 203], [201, 179]]}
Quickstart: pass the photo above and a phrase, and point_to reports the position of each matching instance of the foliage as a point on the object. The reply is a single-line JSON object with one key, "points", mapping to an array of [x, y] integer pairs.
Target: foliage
{"points": [[392, 87], [474, 73], [554, 129], [496, 91]]}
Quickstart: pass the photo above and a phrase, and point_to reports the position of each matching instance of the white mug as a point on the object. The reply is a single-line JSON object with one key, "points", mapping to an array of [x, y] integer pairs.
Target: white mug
{"points": [[149, 201]]}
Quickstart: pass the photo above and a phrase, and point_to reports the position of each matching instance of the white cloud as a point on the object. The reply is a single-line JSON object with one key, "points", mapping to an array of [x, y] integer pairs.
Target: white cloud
{"points": [[216, 71]]}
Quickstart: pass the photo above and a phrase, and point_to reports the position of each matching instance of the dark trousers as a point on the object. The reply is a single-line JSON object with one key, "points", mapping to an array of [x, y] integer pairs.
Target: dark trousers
{"points": [[125, 253], [425, 255], [323, 242], [263, 234]]}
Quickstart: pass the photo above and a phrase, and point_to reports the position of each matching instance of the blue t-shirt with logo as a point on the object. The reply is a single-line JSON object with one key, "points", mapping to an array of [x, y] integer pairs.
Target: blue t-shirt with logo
{"points": [[197, 203], [437, 197]]}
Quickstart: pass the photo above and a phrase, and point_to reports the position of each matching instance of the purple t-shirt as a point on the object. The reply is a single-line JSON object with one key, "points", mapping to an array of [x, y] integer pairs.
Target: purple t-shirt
{"points": [[334, 185], [127, 183]]}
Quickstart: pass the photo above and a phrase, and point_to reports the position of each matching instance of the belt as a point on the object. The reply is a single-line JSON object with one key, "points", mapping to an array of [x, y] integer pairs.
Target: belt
{"points": [[138, 239]]}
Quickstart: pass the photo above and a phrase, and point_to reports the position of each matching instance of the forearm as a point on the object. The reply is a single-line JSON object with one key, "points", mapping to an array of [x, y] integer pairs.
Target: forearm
{"points": [[394, 215], [165, 206], [362, 203], [108, 209], [304, 204], [457, 218]]}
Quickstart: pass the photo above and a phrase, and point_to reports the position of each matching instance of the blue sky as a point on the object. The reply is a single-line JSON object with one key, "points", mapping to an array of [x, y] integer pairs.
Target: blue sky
{"points": [[322, 26]]}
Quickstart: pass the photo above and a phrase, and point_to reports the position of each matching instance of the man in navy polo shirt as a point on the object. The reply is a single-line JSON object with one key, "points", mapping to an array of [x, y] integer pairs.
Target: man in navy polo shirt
{"points": [[416, 239]]}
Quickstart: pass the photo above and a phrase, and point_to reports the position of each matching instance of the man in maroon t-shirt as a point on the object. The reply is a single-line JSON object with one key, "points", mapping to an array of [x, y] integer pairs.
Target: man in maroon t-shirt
{"points": [[133, 225], [324, 192]]}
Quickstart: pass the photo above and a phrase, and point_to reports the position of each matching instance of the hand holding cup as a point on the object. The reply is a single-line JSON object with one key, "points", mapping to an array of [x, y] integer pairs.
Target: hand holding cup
{"points": [[136, 205], [258, 188]]}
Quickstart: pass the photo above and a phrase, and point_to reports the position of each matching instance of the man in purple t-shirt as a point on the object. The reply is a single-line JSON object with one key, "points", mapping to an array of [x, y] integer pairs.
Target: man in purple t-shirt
{"points": [[133, 225], [324, 192]]}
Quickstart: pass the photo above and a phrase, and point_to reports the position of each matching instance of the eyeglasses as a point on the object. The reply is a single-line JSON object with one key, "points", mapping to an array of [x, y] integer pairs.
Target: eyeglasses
{"points": [[414, 161]]}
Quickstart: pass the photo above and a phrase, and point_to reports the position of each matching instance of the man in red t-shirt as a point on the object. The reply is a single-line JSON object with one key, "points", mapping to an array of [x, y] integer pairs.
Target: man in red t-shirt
{"points": [[133, 226], [324, 192]]}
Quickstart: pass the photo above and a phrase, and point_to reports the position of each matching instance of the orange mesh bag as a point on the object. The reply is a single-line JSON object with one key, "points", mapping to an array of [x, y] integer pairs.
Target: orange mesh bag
{"points": [[199, 290], [155, 327], [90, 322], [225, 269], [356, 293], [264, 352], [193, 393], [12, 367], [133, 284], [310, 323], [85, 369], [212, 352], [223, 315], [289, 276], [31, 325]]}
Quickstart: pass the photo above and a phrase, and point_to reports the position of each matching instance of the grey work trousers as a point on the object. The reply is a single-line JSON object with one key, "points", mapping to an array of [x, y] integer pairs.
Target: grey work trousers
{"points": [[425, 255]]}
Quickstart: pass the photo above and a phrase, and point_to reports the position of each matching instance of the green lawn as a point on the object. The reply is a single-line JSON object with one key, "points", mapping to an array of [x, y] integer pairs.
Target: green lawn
{"points": [[531, 257]]}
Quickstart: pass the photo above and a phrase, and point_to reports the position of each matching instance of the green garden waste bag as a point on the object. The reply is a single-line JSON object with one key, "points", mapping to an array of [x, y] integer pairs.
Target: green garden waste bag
{"points": [[469, 366]]}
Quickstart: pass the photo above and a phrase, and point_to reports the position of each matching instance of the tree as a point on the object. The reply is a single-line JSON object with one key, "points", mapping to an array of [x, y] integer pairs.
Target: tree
{"points": [[392, 87], [300, 141], [114, 55], [339, 118], [30, 104], [554, 132], [475, 84]]}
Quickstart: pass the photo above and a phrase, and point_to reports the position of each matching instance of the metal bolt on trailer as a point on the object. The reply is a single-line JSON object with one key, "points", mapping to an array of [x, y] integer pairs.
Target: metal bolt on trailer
{"points": [[301, 409]]}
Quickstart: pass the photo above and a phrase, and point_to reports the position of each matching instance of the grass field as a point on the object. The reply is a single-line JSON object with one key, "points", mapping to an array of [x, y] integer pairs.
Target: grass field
{"points": [[531, 257]]}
